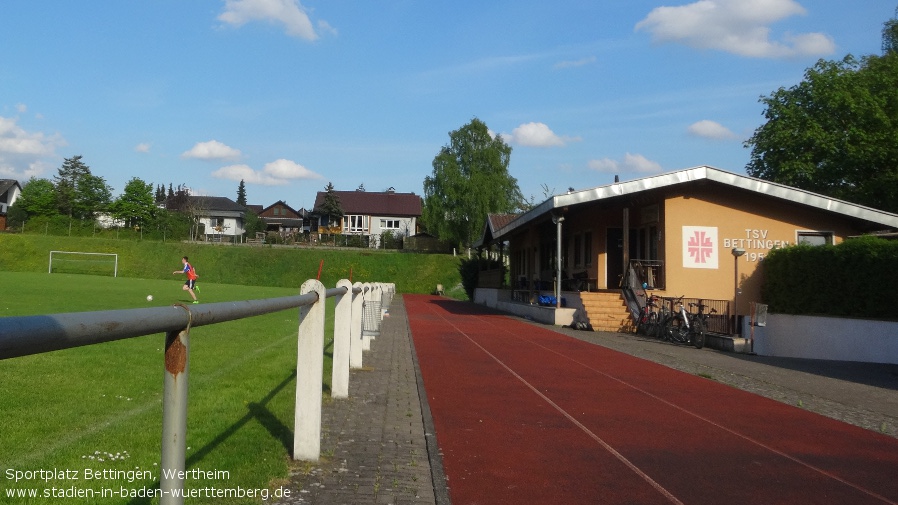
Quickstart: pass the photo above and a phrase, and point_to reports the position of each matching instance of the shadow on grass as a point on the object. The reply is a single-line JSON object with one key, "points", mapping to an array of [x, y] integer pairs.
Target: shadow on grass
{"points": [[255, 411]]}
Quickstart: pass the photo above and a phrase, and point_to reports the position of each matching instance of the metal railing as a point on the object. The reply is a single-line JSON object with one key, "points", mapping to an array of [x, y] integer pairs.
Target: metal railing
{"points": [[720, 321], [650, 272], [27, 335]]}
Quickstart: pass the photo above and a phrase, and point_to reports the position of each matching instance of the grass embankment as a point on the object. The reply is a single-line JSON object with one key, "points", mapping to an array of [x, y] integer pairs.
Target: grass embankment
{"points": [[245, 265]]}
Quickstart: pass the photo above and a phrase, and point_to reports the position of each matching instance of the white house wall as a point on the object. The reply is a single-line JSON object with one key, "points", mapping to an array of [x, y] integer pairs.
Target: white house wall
{"points": [[406, 225], [232, 226]]}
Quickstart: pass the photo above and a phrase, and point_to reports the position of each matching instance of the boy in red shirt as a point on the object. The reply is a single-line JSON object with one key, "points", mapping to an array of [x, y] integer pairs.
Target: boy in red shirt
{"points": [[190, 284]]}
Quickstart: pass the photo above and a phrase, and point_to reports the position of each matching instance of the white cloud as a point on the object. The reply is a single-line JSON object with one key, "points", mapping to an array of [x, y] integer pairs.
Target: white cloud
{"points": [[277, 173], [16, 141], [286, 169], [536, 135], [631, 163], [735, 26], [24, 154], [711, 130], [289, 13], [143, 147], [605, 165], [211, 150]]}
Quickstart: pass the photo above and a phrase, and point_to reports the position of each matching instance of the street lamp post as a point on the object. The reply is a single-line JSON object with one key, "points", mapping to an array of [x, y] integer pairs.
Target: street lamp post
{"points": [[557, 220], [737, 252]]}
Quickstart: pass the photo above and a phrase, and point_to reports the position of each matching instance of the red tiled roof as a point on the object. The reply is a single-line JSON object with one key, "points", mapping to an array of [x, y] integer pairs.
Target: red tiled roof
{"points": [[375, 204], [498, 221]]}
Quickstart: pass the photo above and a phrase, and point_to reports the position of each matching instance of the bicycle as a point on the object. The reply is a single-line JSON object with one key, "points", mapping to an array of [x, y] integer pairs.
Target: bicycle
{"points": [[649, 322], [688, 327]]}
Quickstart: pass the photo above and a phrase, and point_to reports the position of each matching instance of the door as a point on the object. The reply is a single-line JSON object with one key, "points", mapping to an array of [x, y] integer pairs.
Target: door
{"points": [[614, 252]]}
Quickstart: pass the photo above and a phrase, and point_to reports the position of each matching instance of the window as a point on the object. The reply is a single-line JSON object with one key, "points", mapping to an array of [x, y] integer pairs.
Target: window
{"points": [[815, 238], [355, 224], [578, 250], [389, 224]]}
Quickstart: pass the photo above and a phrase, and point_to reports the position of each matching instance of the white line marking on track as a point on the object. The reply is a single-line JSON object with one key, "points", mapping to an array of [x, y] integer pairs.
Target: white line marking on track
{"points": [[658, 487], [666, 402]]}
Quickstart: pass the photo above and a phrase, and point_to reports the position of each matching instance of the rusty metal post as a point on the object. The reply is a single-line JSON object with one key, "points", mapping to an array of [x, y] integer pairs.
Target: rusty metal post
{"points": [[174, 417], [342, 322], [355, 328], [309, 368]]}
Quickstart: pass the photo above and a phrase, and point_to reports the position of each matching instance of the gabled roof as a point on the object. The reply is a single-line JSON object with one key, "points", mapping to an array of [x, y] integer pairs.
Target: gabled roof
{"points": [[375, 204], [493, 223], [281, 203], [7, 184], [216, 203], [872, 216]]}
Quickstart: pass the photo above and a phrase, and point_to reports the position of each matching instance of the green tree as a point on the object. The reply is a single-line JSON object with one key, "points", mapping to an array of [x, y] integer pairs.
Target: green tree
{"points": [[69, 175], [252, 224], [331, 207], [160, 194], [38, 198], [92, 196], [890, 35], [470, 179], [136, 205], [835, 133], [241, 193], [80, 194]]}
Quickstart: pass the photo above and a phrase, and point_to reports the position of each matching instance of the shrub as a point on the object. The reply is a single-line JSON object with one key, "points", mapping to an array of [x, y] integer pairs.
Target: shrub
{"points": [[469, 269], [854, 278]]}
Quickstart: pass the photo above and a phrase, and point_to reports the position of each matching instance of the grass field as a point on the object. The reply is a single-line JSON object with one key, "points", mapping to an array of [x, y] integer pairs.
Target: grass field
{"points": [[95, 412]]}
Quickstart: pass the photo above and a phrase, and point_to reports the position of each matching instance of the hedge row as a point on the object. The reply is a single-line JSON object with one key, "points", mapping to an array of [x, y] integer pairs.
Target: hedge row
{"points": [[857, 278]]}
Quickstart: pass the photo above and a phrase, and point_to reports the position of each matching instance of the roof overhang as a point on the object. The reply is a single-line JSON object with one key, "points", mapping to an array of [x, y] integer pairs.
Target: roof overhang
{"points": [[750, 184]]}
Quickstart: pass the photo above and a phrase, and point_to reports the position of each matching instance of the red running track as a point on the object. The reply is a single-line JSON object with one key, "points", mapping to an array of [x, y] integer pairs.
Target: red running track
{"points": [[526, 415]]}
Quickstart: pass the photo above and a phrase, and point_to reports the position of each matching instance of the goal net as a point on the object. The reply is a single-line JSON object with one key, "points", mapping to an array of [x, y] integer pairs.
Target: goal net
{"points": [[76, 262]]}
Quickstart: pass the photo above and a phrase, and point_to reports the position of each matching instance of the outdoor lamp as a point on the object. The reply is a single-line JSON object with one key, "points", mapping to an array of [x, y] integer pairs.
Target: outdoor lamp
{"points": [[737, 251]]}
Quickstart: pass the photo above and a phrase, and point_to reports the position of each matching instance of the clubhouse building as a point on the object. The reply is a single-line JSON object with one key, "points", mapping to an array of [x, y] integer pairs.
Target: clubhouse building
{"points": [[700, 233]]}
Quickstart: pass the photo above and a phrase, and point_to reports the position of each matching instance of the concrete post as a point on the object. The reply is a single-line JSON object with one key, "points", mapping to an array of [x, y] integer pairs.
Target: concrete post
{"points": [[309, 368], [342, 336], [369, 299], [355, 335]]}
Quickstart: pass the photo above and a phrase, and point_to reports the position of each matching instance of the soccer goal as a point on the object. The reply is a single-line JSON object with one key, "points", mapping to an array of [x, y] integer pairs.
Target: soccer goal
{"points": [[77, 262]]}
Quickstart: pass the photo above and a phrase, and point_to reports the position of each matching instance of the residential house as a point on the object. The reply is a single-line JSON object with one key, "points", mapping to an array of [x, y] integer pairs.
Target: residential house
{"points": [[221, 218], [283, 219], [700, 233], [10, 190], [373, 213]]}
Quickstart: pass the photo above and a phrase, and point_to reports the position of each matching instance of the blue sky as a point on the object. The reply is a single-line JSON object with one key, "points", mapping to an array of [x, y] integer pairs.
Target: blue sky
{"points": [[290, 95]]}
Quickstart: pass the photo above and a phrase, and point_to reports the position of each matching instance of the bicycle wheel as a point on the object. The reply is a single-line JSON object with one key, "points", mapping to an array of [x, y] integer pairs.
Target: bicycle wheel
{"points": [[653, 325], [676, 330], [698, 333]]}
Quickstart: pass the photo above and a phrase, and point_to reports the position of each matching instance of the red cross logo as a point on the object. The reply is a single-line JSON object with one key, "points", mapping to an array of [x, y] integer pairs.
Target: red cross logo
{"points": [[700, 247]]}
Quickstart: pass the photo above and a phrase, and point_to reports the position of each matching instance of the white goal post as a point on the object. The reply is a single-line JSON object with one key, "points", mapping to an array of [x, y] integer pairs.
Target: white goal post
{"points": [[84, 262]]}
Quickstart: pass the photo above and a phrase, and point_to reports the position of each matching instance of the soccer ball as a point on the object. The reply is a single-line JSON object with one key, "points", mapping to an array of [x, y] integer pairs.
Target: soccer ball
{"points": [[149, 298]]}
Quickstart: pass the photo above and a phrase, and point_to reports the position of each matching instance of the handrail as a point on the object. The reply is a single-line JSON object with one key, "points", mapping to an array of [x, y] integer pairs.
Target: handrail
{"points": [[55, 332], [24, 335]]}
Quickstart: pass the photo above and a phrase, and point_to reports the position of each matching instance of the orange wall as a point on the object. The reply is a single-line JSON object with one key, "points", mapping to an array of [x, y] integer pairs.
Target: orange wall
{"points": [[749, 221]]}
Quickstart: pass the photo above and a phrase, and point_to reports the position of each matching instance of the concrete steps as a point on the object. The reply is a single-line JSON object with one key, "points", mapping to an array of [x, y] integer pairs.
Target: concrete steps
{"points": [[607, 311]]}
